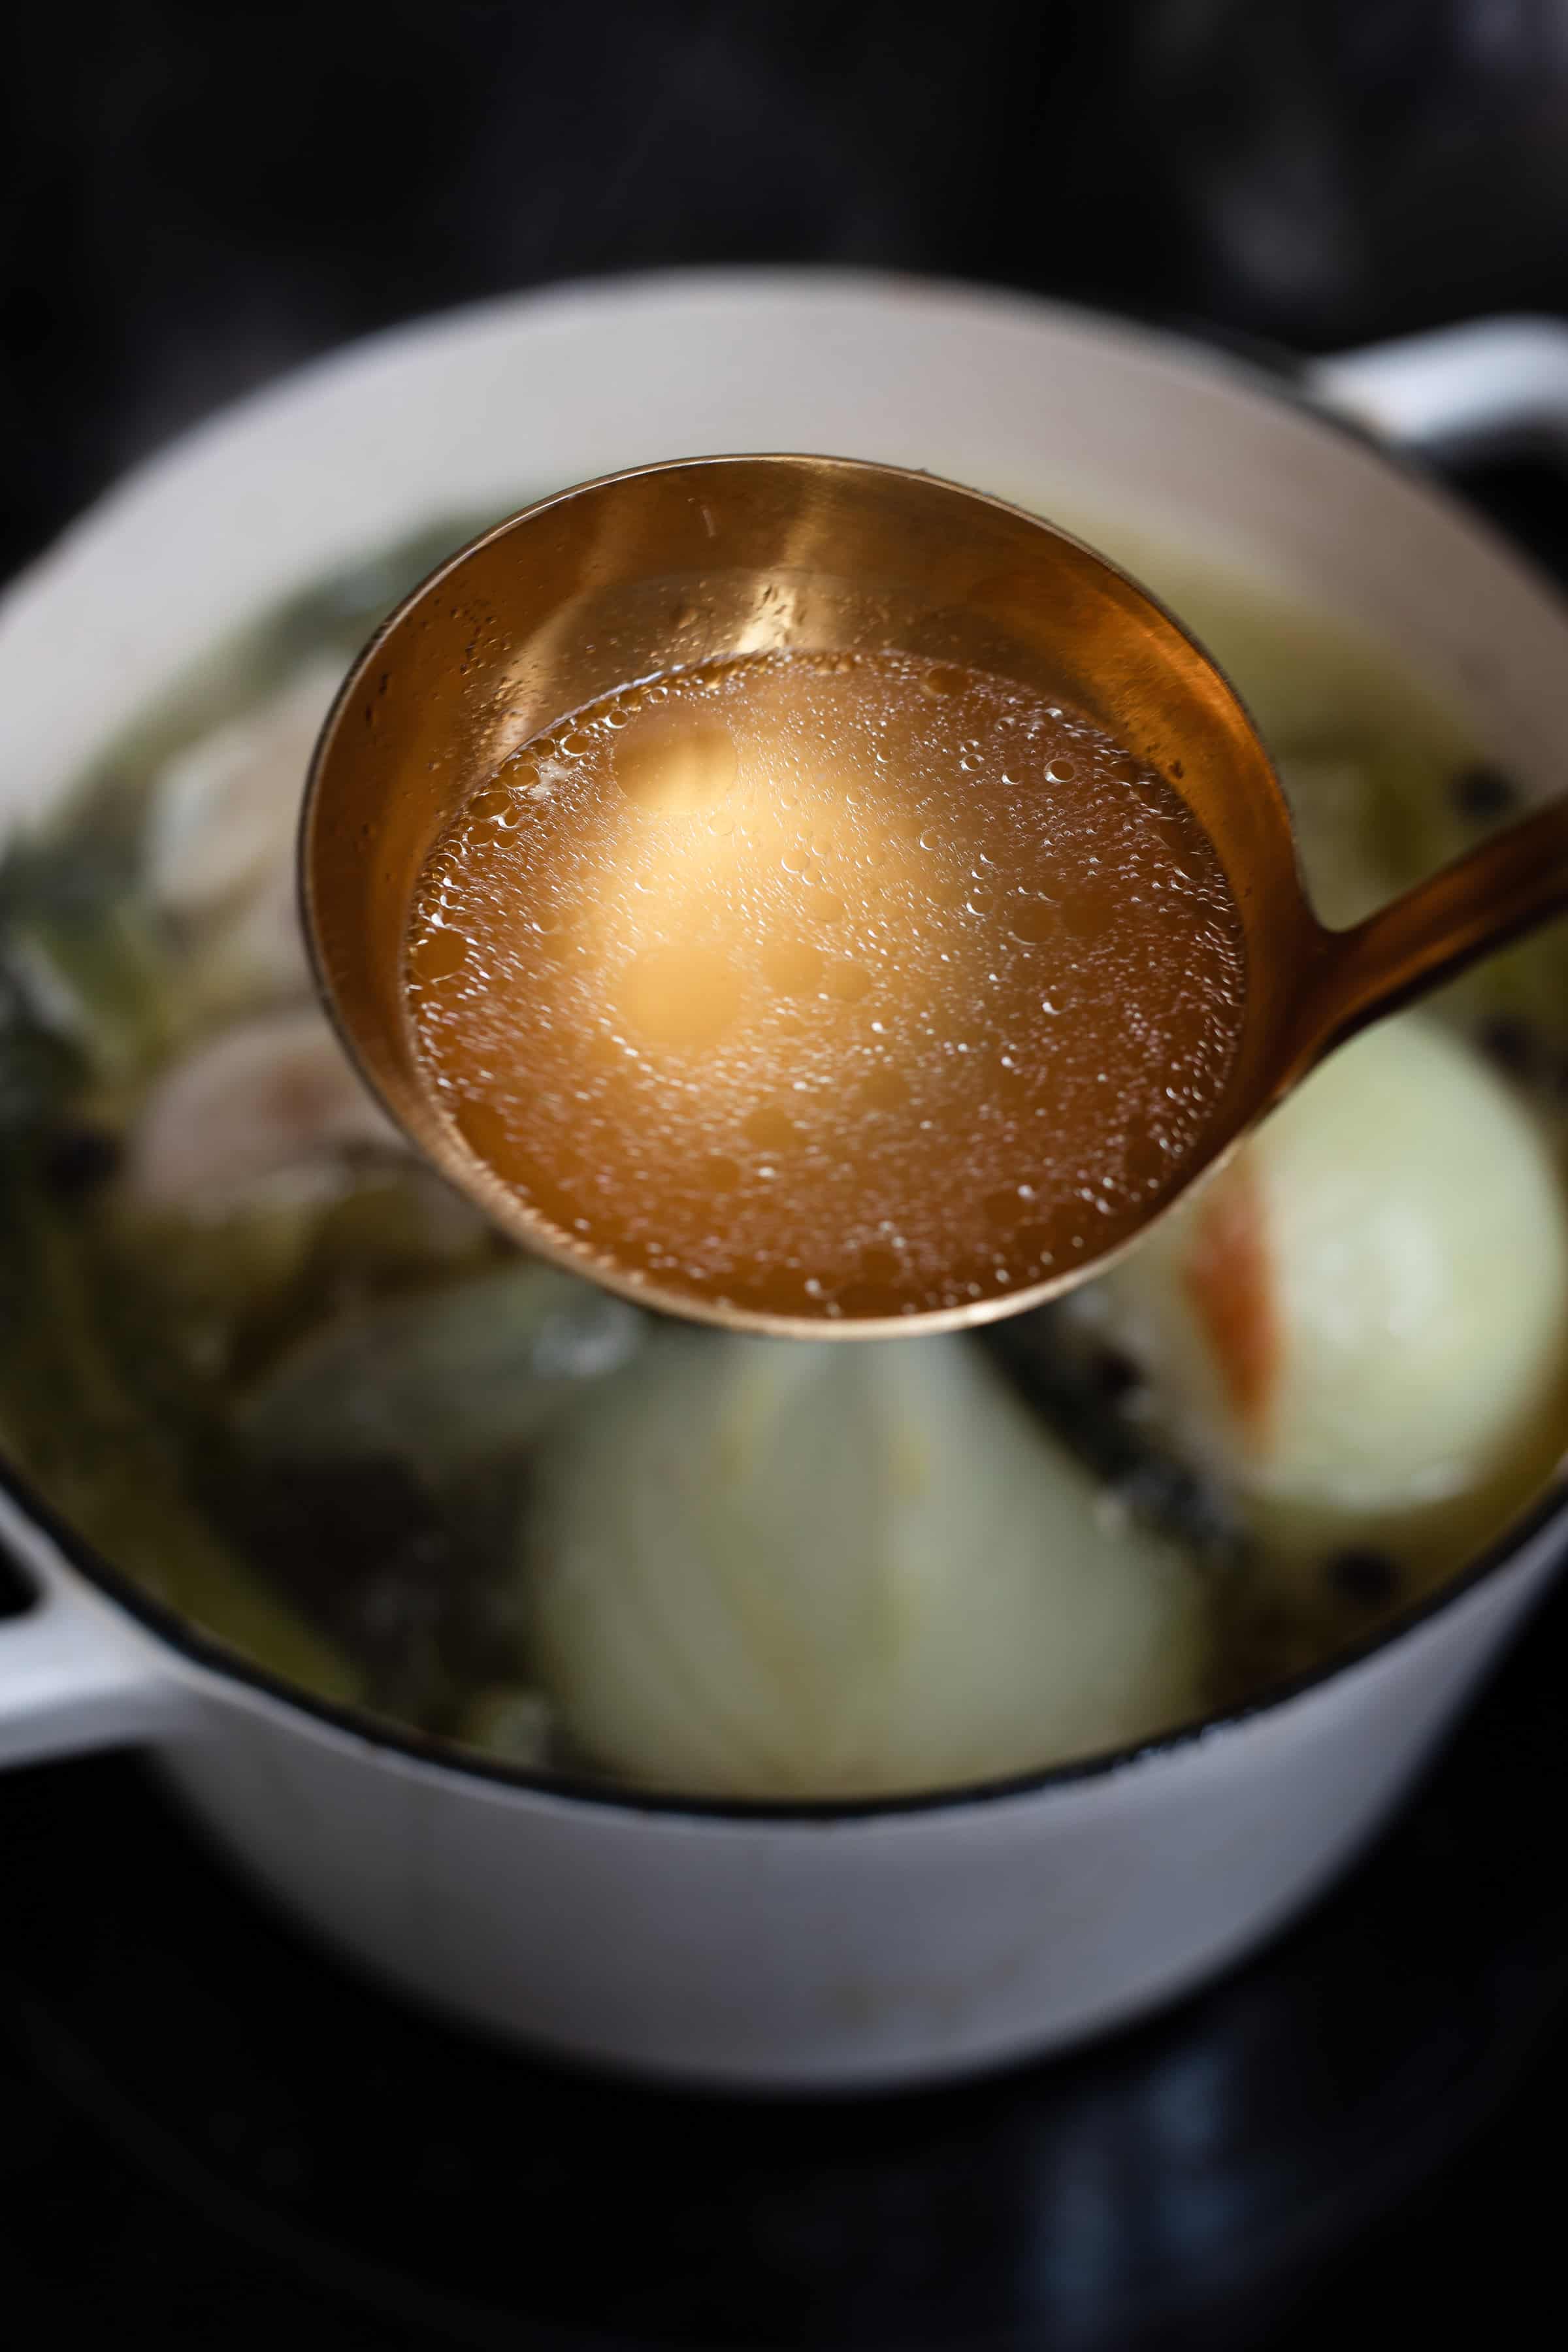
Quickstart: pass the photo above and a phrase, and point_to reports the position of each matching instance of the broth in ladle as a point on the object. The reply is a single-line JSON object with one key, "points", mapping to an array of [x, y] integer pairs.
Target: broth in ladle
{"points": [[828, 985]]}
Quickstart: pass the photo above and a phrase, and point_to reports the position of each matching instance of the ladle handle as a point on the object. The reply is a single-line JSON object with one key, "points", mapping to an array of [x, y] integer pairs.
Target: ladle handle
{"points": [[1507, 886]]}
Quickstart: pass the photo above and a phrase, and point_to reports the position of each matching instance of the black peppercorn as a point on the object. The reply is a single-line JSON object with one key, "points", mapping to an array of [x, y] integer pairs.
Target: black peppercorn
{"points": [[1511, 1044], [1116, 1376], [77, 1160], [1483, 795], [1367, 1576]]}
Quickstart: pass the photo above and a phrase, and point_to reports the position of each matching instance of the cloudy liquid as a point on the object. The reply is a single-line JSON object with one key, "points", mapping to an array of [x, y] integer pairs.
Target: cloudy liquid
{"points": [[829, 986]]}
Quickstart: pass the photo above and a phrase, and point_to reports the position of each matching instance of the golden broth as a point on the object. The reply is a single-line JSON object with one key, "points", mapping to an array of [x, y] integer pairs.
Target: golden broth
{"points": [[828, 985]]}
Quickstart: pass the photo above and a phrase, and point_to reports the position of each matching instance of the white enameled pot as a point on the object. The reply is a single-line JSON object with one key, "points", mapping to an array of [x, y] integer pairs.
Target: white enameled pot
{"points": [[837, 1946]]}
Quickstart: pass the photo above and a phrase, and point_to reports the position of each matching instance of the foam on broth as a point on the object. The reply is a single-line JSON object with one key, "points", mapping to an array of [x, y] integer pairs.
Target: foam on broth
{"points": [[838, 986]]}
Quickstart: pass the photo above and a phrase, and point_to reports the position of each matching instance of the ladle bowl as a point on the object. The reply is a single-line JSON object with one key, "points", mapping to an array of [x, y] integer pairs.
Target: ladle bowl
{"points": [[668, 566]]}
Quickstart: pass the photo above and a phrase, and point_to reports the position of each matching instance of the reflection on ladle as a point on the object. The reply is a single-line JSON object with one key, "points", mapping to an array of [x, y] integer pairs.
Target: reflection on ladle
{"points": [[963, 936]]}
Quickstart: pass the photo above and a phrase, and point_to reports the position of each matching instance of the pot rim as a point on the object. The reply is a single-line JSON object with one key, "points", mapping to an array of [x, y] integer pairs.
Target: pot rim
{"points": [[1246, 362]]}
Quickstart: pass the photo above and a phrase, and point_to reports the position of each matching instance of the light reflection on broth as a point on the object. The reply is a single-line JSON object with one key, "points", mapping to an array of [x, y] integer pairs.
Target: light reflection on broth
{"points": [[898, 942]]}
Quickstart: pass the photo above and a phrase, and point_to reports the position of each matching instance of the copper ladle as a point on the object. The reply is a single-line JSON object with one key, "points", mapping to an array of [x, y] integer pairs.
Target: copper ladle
{"points": [[674, 565]]}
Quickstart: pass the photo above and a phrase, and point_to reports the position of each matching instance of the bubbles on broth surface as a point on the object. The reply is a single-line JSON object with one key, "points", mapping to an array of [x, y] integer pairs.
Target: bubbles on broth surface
{"points": [[834, 986]]}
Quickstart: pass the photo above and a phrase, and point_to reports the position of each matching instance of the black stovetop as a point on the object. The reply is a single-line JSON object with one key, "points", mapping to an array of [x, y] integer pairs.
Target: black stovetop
{"points": [[210, 2132]]}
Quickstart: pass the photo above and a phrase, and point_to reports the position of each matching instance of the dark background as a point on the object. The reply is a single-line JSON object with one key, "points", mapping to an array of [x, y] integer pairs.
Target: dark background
{"points": [[205, 2132], [195, 197]]}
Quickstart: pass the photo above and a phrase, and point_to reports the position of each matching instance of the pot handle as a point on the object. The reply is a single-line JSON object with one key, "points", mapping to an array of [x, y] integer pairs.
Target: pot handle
{"points": [[75, 1672], [1491, 387]]}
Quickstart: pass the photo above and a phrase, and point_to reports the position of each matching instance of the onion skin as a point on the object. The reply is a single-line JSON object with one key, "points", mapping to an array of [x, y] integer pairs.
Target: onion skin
{"points": [[1361, 1325], [774, 1569]]}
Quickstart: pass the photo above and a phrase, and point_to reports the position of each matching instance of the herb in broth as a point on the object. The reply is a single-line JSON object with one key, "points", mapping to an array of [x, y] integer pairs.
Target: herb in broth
{"points": [[287, 1381], [116, 1329]]}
